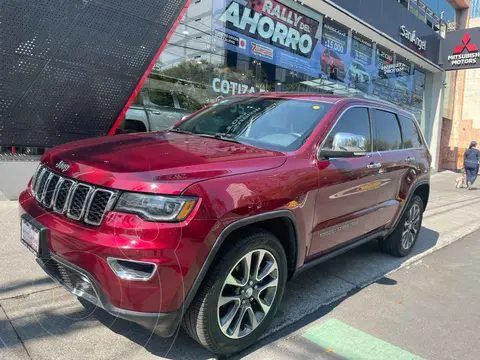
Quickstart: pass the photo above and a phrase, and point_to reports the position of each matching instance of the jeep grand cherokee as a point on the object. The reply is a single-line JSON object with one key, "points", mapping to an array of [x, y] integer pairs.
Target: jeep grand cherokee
{"points": [[204, 223]]}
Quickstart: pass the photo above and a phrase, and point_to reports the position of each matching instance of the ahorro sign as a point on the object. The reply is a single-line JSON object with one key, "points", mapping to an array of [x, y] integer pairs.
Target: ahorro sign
{"points": [[460, 50]]}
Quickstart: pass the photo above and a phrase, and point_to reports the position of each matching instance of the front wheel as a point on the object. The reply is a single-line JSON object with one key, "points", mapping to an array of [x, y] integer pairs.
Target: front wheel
{"points": [[240, 295], [400, 242]]}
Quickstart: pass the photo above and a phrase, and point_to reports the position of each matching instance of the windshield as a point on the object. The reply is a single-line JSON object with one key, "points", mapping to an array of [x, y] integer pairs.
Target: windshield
{"points": [[270, 123]]}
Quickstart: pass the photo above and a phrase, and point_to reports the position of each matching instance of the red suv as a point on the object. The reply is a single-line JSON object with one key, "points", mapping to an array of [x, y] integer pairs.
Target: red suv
{"points": [[204, 223]]}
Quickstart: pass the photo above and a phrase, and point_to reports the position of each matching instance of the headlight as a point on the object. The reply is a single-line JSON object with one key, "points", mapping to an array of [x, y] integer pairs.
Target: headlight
{"points": [[156, 207]]}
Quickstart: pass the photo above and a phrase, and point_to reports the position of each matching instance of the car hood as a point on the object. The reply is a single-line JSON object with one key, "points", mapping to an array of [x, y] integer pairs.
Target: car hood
{"points": [[163, 162]]}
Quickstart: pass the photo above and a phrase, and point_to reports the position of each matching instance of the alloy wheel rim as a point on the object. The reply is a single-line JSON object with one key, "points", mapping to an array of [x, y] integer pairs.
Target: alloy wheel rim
{"points": [[247, 294], [411, 227]]}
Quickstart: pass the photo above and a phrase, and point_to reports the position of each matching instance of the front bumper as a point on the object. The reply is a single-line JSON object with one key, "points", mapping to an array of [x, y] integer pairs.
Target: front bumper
{"points": [[82, 284], [75, 255]]}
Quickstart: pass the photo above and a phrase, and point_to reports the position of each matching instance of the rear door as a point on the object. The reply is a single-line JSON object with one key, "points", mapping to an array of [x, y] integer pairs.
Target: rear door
{"points": [[396, 163], [346, 198], [163, 110]]}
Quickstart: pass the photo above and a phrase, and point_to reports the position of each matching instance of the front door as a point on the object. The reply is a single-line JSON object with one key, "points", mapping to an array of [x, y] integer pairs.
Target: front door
{"points": [[347, 196]]}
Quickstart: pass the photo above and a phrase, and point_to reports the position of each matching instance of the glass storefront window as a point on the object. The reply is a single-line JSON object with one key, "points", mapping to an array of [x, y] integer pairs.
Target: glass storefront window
{"points": [[225, 48]]}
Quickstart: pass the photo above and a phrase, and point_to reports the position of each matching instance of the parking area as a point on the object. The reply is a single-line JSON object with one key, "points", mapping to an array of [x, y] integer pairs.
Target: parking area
{"points": [[40, 320]]}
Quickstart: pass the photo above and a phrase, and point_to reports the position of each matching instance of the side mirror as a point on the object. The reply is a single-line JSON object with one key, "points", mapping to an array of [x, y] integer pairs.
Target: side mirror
{"points": [[345, 145]]}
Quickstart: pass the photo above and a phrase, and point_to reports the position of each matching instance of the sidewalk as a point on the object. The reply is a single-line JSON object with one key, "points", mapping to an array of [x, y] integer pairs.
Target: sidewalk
{"points": [[52, 324], [428, 310]]}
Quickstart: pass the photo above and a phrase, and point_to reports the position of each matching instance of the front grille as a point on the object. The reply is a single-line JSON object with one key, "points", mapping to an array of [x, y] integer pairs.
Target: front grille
{"points": [[79, 201]]}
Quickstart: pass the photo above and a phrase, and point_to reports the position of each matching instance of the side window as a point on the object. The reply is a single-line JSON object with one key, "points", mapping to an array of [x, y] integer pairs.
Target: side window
{"points": [[387, 132], [161, 98], [354, 121], [410, 132]]}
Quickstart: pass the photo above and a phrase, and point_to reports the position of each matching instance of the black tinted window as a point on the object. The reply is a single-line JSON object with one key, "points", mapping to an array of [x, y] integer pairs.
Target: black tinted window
{"points": [[161, 98], [387, 132], [353, 121], [411, 135]]}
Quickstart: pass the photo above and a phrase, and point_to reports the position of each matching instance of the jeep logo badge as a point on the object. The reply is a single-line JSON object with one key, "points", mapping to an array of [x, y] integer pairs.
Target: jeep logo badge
{"points": [[62, 166]]}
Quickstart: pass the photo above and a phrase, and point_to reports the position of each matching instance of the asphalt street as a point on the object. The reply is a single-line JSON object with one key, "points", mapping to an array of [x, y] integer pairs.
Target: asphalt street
{"points": [[427, 310], [40, 320]]}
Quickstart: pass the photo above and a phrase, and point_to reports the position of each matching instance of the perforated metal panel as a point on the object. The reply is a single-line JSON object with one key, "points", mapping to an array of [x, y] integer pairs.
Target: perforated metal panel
{"points": [[69, 66]]}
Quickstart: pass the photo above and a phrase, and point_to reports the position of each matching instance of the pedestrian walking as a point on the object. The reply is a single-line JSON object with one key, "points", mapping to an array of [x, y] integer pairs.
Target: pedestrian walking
{"points": [[471, 160]]}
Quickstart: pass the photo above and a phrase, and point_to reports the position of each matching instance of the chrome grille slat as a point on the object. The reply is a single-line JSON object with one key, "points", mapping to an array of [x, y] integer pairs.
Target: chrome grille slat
{"points": [[35, 178], [50, 189], [41, 184], [77, 200], [63, 196], [100, 202]]}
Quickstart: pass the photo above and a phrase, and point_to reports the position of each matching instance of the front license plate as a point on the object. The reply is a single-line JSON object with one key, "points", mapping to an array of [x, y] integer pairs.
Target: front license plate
{"points": [[30, 236]]}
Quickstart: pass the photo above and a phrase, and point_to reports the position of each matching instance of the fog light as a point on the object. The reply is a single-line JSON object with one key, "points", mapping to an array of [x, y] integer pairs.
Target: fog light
{"points": [[132, 270]]}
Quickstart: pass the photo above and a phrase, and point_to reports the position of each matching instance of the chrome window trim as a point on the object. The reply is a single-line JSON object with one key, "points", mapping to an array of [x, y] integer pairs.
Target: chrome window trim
{"points": [[109, 205]]}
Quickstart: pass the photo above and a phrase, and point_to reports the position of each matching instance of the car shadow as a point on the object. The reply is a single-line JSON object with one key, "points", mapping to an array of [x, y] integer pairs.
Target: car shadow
{"points": [[312, 295]]}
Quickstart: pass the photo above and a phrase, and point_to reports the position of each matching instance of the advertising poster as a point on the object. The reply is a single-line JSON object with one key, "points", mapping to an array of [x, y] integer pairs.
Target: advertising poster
{"points": [[418, 92], [333, 60], [270, 31], [362, 59], [403, 81], [385, 72]]}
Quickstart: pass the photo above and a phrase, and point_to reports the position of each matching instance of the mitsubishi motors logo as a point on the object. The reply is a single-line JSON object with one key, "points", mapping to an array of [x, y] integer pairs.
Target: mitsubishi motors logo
{"points": [[465, 40], [459, 57]]}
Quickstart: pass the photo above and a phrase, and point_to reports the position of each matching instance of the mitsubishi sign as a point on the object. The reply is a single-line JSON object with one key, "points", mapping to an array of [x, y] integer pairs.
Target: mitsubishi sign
{"points": [[460, 49]]}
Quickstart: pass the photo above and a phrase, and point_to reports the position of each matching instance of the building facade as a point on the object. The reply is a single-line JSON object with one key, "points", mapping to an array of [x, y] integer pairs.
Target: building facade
{"points": [[374, 48], [461, 120]]}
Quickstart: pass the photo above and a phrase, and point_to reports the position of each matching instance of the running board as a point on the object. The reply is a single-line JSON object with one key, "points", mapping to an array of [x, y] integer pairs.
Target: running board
{"points": [[344, 249]]}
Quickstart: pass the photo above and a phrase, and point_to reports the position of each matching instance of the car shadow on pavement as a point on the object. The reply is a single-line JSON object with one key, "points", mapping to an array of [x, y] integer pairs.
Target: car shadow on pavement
{"points": [[309, 297]]}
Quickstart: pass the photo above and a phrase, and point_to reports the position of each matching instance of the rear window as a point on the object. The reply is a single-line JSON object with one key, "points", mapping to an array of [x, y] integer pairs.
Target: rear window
{"points": [[410, 132], [271, 123]]}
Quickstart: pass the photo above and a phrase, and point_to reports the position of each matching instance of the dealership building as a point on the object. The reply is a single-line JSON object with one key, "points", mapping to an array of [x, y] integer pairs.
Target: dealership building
{"points": [[374, 48], [83, 69]]}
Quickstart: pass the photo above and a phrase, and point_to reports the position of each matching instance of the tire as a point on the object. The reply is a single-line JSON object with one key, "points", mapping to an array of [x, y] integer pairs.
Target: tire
{"points": [[203, 319], [395, 243]]}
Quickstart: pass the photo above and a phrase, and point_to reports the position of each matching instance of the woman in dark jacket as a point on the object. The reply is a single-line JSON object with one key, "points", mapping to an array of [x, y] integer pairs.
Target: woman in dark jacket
{"points": [[471, 160]]}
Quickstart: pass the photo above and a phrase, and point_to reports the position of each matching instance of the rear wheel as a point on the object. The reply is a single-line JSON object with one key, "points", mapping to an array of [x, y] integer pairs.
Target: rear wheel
{"points": [[240, 295], [401, 241]]}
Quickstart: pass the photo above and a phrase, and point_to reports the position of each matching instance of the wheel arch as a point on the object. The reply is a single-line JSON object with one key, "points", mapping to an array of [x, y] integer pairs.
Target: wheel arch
{"points": [[281, 223], [421, 189]]}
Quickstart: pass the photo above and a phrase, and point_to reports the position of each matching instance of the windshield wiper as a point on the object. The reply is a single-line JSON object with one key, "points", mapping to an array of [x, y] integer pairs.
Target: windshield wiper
{"points": [[180, 131], [218, 137]]}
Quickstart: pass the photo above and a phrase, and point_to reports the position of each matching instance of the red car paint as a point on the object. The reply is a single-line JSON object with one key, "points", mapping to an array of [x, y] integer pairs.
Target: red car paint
{"points": [[232, 182]]}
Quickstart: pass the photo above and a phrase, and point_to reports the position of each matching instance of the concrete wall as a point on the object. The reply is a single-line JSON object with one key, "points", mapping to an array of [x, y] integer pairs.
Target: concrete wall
{"points": [[14, 177]]}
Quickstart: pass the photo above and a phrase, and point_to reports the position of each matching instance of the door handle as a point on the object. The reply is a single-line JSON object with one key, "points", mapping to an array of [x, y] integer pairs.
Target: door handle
{"points": [[374, 165], [155, 112]]}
